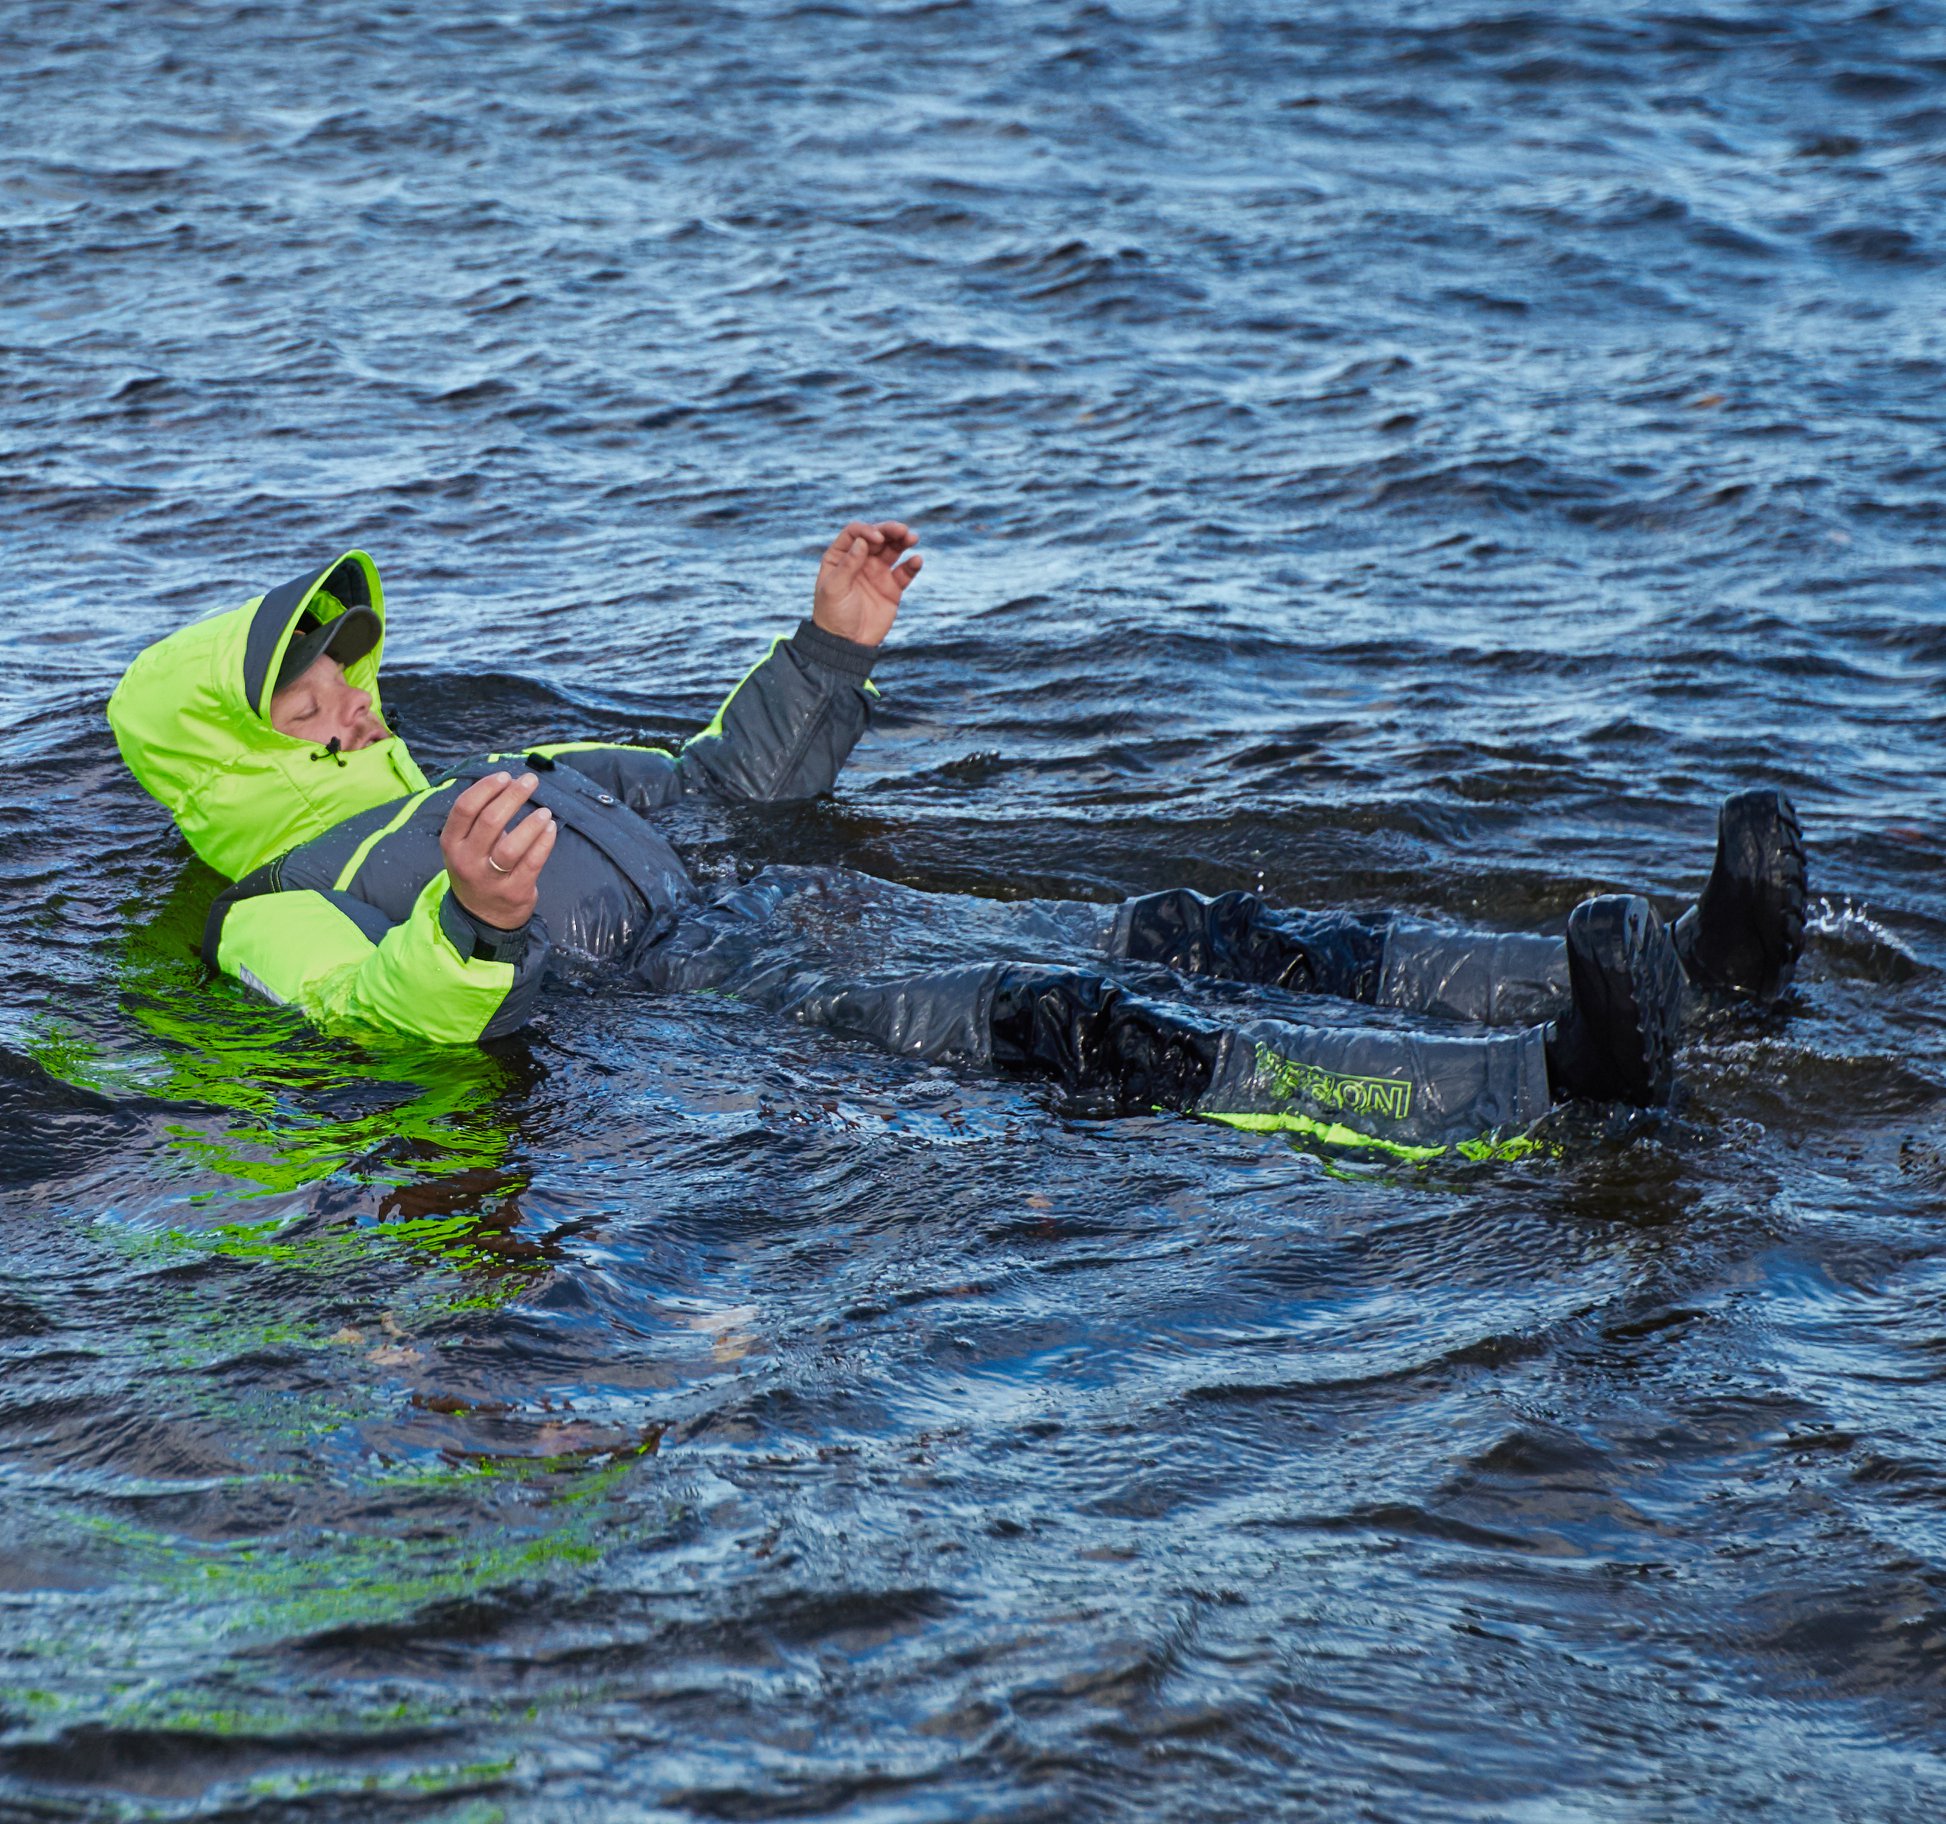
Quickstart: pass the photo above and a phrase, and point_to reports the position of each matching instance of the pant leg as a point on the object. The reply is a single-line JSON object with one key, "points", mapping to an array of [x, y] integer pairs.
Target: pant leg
{"points": [[1401, 1091], [1239, 937], [748, 944], [1116, 1052], [1494, 978], [1384, 960]]}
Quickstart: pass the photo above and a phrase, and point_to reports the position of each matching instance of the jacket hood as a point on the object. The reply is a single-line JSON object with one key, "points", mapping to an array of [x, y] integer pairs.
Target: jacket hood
{"points": [[192, 718]]}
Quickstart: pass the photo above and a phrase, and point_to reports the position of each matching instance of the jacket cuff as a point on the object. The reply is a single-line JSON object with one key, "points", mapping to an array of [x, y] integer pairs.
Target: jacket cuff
{"points": [[475, 939], [833, 649]]}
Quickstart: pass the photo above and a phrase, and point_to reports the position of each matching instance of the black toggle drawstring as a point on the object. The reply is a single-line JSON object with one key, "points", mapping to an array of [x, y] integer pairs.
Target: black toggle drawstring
{"points": [[331, 752]]}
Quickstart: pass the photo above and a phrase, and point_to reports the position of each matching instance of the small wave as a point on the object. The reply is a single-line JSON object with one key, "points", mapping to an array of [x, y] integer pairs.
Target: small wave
{"points": [[1857, 944], [1885, 245], [1876, 85]]}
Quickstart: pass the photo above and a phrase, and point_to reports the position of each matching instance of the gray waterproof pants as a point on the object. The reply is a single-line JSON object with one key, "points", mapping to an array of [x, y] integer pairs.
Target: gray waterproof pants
{"points": [[1100, 1000]]}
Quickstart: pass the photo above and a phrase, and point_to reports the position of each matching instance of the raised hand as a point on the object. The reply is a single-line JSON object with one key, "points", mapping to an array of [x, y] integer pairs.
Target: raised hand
{"points": [[491, 869], [864, 573]]}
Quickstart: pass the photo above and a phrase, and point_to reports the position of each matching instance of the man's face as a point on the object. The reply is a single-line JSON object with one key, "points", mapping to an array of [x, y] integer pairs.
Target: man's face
{"points": [[320, 704]]}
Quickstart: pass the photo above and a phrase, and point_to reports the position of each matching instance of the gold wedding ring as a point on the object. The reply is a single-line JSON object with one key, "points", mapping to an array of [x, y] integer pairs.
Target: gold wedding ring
{"points": [[496, 867]]}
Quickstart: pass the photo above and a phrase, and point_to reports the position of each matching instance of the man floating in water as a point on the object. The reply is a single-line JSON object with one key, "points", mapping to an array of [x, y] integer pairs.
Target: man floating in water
{"points": [[373, 898]]}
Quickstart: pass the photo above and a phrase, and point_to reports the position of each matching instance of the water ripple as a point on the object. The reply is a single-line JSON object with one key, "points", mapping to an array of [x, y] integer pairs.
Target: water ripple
{"points": [[1420, 461]]}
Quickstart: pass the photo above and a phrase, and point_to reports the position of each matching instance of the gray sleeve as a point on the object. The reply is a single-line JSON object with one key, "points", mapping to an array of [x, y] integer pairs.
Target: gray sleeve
{"points": [[280, 957], [790, 725]]}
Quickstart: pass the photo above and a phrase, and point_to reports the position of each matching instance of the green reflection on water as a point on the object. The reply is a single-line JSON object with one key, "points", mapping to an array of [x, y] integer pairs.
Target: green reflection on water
{"points": [[433, 1780], [300, 1107], [171, 1634], [197, 1616], [281, 1586]]}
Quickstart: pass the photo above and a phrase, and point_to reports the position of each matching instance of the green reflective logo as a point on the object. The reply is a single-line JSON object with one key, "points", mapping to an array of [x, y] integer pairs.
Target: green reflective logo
{"points": [[1387, 1097]]}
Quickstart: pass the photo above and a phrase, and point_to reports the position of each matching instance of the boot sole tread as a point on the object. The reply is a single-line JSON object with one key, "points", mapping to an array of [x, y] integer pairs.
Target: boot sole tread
{"points": [[1637, 981]]}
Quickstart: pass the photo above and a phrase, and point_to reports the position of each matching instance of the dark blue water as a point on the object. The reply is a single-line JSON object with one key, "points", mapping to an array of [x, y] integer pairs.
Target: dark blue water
{"points": [[1409, 456]]}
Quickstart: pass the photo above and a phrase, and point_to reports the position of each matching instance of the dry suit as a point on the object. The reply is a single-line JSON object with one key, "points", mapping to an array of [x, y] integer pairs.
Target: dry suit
{"points": [[340, 907]]}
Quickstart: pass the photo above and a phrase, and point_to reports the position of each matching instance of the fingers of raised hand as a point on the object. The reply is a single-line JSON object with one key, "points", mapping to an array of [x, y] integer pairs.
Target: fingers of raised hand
{"points": [[862, 538], [852, 544]]}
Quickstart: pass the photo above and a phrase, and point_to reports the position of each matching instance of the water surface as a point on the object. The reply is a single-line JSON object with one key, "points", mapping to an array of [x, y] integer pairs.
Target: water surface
{"points": [[1418, 456]]}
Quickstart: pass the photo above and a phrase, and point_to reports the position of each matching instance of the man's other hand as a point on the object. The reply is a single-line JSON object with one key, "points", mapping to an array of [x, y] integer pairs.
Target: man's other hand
{"points": [[492, 869], [861, 579]]}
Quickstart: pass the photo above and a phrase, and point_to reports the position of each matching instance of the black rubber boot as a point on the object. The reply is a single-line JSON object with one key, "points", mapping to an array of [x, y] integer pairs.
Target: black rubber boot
{"points": [[1747, 930], [1616, 1043], [1097, 1042]]}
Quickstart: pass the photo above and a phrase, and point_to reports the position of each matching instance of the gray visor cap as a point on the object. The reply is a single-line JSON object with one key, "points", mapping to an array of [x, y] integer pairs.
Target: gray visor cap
{"points": [[346, 637]]}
